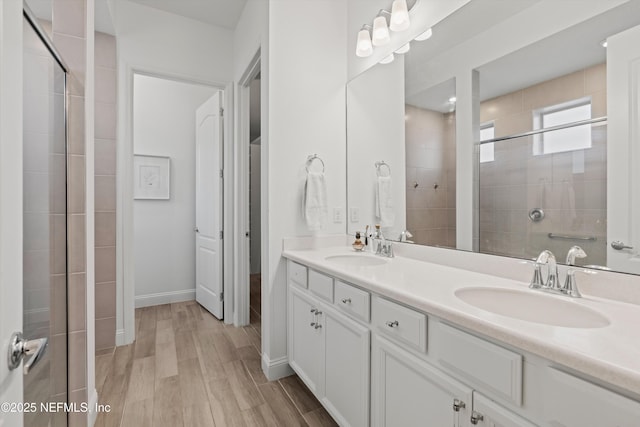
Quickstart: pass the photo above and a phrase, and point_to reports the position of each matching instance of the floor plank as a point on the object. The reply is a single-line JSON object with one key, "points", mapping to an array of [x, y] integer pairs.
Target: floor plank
{"points": [[187, 368]]}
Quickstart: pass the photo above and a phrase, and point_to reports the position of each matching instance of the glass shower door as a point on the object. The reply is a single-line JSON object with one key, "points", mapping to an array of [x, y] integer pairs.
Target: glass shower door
{"points": [[45, 228]]}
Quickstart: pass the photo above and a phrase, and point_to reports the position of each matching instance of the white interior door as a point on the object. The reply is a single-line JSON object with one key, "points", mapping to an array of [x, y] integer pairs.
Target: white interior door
{"points": [[209, 256], [623, 151], [11, 382]]}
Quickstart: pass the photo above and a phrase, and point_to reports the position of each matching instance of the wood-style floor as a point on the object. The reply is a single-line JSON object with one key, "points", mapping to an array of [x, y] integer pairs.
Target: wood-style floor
{"points": [[187, 368]]}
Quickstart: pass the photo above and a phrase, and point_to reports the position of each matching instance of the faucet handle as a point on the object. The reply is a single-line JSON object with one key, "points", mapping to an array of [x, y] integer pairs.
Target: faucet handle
{"points": [[390, 250], [570, 286]]}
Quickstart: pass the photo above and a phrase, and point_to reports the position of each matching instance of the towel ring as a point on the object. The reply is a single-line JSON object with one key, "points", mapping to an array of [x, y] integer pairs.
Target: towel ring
{"points": [[310, 160], [379, 166]]}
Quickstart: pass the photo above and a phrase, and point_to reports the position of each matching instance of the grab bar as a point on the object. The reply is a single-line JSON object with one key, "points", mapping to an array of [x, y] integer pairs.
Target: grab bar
{"points": [[568, 237]]}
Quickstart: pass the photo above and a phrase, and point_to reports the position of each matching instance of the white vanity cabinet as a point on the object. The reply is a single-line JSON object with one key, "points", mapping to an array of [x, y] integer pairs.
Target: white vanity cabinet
{"points": [[405, 368], [330, 352], [570, 401], [305, 340], [408, 392]]}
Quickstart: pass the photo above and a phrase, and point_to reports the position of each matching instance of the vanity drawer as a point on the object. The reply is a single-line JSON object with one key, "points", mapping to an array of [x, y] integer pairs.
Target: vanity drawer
{"points": [[399, 322], [298, 274], [321, 285], [352, 300], [491, 369]]}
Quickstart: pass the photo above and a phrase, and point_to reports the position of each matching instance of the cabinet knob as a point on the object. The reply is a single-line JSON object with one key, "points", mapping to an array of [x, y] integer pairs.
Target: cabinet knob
{"points": [[346, 300], [476, 417], [314, 310], [458, 404], [318, 326], [393, 324]]}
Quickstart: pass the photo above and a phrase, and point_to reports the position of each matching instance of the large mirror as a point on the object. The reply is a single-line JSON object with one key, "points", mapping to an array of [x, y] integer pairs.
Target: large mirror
{"points": [[493, 137]]}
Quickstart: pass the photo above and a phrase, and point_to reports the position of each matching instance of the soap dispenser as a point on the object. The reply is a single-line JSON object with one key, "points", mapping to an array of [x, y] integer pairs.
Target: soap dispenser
{"points": [[357, 244]]}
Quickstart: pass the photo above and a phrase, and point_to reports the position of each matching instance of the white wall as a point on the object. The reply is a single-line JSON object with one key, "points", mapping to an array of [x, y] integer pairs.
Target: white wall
{"points": [[164, 241], [155, 42], [375, 132], [303, 113], [306, 115]]}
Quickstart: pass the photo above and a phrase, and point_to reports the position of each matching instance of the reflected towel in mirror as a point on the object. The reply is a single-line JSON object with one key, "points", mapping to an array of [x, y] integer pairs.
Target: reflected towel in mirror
{"points": [[316, 211], [384, 202]]}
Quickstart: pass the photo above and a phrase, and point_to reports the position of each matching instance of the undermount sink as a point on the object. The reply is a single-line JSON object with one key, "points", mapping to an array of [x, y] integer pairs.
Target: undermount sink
{"points": [[356, 260], [533, 307]]}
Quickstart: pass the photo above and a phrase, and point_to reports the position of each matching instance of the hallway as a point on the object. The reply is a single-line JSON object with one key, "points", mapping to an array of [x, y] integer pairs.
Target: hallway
{"points": [[187, 368]]}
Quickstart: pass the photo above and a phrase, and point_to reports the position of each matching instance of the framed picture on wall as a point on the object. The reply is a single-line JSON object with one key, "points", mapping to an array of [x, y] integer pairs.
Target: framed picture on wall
{"points": [[151, 177]]}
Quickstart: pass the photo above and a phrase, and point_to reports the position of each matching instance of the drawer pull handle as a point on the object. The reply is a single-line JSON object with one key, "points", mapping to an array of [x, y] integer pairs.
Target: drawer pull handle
{"points": [[393, 324], [458, 404], [475, 417], [314, 310], [346, 300]]}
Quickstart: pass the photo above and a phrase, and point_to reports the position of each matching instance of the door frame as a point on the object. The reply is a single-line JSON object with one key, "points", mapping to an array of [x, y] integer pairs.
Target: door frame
{"points": [[125, 265], [242, 187], [11, 104]]}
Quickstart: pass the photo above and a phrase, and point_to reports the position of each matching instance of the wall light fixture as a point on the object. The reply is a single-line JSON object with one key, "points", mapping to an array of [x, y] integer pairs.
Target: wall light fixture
{"points": [[364, 47], [378, 34], [399, 16]]}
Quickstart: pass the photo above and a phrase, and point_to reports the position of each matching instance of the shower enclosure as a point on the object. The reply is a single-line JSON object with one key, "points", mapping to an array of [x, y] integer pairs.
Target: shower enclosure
{"points": [[45, 223]]}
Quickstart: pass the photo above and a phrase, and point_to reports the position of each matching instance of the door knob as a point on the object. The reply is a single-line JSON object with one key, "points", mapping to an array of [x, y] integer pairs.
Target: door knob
{"points": [[19, 347], [618, 245], [196, 229]]}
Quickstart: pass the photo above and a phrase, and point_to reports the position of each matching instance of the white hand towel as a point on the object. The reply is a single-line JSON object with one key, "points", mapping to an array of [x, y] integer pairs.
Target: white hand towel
{"points": [[384, 202], [316, 211]]}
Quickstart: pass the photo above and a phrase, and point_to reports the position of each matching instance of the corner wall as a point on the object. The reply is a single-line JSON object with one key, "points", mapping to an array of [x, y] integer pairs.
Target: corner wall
{"points": [[306, 106]]}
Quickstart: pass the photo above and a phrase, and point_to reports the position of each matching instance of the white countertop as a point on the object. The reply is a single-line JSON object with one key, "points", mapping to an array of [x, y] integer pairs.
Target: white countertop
{"points": [[610, 354]]}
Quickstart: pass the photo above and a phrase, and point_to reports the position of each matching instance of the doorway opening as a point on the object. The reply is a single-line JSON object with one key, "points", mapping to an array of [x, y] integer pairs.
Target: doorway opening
{"points": [[177, 192], [255, 282]]}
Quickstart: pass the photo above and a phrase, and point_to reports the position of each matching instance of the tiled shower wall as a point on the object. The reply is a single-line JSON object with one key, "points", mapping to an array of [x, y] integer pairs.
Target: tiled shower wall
{"points": [[570, 187], [69, 37], [105, 190], [431, 176]]}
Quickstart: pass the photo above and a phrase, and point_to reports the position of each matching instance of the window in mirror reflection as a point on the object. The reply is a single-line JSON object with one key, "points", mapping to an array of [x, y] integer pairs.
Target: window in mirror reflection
{"points": [[487, 133], [570, 139], [568, 182]]}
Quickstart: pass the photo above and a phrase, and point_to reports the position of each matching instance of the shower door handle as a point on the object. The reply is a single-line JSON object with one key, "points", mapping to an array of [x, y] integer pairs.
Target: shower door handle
{"points": [[618, 245], [19, 347]]}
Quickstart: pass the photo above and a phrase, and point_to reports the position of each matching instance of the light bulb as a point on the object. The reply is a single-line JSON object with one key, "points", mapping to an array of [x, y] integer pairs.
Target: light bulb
{"points": [[387, 59], [604, 43], [424, 36], [364, 47], [404, 49], [380, 35], [452, 100], [399, 16]]}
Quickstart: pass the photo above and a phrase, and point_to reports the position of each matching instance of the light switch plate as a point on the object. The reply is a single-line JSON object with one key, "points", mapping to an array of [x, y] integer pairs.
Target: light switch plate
{"points": [[354, 214], [337, 215]]}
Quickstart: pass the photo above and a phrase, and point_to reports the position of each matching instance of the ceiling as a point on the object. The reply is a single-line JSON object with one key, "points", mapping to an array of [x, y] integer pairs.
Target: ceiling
{"points": [[223, 13], [573, 49]]}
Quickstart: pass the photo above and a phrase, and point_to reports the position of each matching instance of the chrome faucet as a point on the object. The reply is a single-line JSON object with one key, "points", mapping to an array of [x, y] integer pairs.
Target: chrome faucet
{"points": [[405, 236], [547, 258], [570, 286], [552, 282]]}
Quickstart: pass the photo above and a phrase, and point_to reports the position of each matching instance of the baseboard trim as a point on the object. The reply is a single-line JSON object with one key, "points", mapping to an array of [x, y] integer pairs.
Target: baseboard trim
{"points": [[275, 369], [120, 338], [93, 404], [165, 298]]}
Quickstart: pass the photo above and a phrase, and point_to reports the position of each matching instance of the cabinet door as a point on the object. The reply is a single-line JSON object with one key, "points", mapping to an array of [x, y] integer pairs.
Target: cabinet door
{"points": [[571, 401], [408, 392], [346, 387], [487, 413], [305, 340]]}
